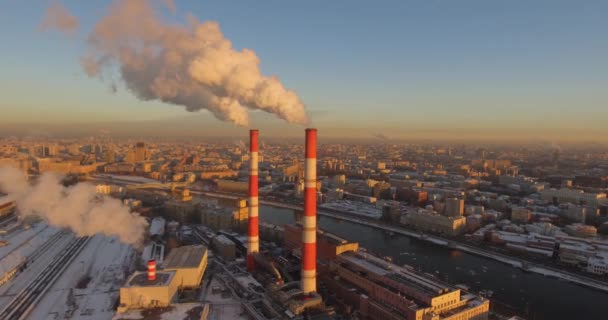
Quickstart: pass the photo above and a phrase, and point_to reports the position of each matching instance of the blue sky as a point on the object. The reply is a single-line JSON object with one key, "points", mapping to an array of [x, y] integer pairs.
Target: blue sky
{"points": [[386, 66]]}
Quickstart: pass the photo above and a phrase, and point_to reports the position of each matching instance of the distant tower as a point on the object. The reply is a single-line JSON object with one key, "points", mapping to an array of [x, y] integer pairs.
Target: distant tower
{"points": [[110, 155], [309, 234], [140, 152], [253, 239], [454, 207]]}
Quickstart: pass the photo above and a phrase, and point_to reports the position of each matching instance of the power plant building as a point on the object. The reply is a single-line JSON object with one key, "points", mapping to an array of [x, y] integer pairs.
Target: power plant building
{"points": [[329, 246], [141, 292], [183, 268], [382, 290], [188, 263]]}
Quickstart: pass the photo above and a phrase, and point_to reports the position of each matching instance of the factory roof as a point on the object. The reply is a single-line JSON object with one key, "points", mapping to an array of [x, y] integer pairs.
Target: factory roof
{"points": [[365, 264], [140, 279], [223, 240], [185, 257]]}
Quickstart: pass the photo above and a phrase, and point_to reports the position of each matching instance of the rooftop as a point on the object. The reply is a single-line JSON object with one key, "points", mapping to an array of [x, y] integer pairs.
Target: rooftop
{"points": [[140, 279], [185, 257]]}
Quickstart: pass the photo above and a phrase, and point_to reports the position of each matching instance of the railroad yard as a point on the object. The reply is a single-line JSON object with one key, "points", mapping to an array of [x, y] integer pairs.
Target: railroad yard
{"points": [[48, 273]]}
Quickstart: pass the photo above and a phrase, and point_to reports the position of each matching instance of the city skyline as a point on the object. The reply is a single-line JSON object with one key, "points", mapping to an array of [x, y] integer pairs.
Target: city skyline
{"points": [[432, 70]]}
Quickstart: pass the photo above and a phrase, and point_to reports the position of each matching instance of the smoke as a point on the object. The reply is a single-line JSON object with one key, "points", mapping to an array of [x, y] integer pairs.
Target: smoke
{"points": [[381, 136], [555, 147], [78, 207], [58, 17], [190, 65]]}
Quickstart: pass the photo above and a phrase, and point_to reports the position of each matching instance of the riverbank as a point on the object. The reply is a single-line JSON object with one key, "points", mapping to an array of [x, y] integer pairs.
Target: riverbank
{"points": [[512, 261]]}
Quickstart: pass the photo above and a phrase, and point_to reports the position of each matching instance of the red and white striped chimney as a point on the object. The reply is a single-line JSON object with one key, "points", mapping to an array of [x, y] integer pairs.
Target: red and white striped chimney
{"points": [[151, 270], [309, 234], [253, 239]]}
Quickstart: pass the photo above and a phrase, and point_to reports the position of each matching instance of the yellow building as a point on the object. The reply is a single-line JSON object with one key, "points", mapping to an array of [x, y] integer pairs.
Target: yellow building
{"points": [[141, 293], [231, 186], [205, 175], [65, 167], [430, 221], [184, 267], [188, 263]]}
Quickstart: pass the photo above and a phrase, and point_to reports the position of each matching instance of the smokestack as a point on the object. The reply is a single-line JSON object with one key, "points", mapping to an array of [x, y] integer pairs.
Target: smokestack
{"points": [[253, 240], [309, 234], [151, 270]]}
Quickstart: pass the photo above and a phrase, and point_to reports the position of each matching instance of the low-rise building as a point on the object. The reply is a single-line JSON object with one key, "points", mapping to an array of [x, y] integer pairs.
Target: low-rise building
{"points": [[426, 220], [520, 215]]}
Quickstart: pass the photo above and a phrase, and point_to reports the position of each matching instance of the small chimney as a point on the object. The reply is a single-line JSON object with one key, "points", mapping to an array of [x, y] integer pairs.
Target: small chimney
{"points": [[151, 270], [253, 239]]}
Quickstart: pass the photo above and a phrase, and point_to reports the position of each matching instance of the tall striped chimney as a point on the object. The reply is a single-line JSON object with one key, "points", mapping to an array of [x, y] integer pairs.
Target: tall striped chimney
{"points": [[253, 240], [309, 234]]}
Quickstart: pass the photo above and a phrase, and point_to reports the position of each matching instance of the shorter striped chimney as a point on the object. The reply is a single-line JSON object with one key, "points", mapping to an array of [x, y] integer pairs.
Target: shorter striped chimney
{"points": [[309, 234], [151, 270]]}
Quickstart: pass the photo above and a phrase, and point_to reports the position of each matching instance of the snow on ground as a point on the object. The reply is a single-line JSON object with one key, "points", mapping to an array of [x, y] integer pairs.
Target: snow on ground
{"points": [[179, 311], [105, 262], [223, 304], [22, 279], [21, 244]]}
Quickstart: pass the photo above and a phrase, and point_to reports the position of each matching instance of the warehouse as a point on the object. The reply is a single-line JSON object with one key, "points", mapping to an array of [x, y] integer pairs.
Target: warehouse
{"points": [[189, 264]]}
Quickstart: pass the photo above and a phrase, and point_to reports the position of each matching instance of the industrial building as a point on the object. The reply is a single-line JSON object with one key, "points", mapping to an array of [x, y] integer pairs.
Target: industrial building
{"points": [[183, 268], [222, 218], [148, 289], [224, 247], [382, 290], [189, 264], [329, 246]]}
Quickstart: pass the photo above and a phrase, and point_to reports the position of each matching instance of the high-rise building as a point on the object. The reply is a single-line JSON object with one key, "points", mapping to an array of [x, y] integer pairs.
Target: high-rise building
{"points": [[141, 154], [110, 156], [454, 207]]}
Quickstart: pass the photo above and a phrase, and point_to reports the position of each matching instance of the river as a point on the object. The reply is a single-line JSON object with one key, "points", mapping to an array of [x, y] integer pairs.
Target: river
{"points": [[539, 297]]}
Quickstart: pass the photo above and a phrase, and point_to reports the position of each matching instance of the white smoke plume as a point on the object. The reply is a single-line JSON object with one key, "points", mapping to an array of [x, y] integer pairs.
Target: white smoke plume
{"points": [[190, 65], [58, 17], [78, 207]]}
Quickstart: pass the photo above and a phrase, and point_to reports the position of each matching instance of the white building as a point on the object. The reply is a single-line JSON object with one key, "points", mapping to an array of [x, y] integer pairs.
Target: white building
{"points": [[575, 196], [108, 188]]}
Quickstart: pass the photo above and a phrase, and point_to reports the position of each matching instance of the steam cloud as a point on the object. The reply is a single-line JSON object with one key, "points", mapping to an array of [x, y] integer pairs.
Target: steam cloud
{"points": [[381, 136], [58, 17], [191, 65], [78, 207]]}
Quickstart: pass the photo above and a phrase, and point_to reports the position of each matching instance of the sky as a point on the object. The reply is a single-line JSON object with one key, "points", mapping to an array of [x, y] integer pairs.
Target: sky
{"points": [[438, 69]]}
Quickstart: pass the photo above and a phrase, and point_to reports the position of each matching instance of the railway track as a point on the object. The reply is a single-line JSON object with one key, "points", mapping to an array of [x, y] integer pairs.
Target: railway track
{"points": [[39, 251], [24, 302], [46, 245]]}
